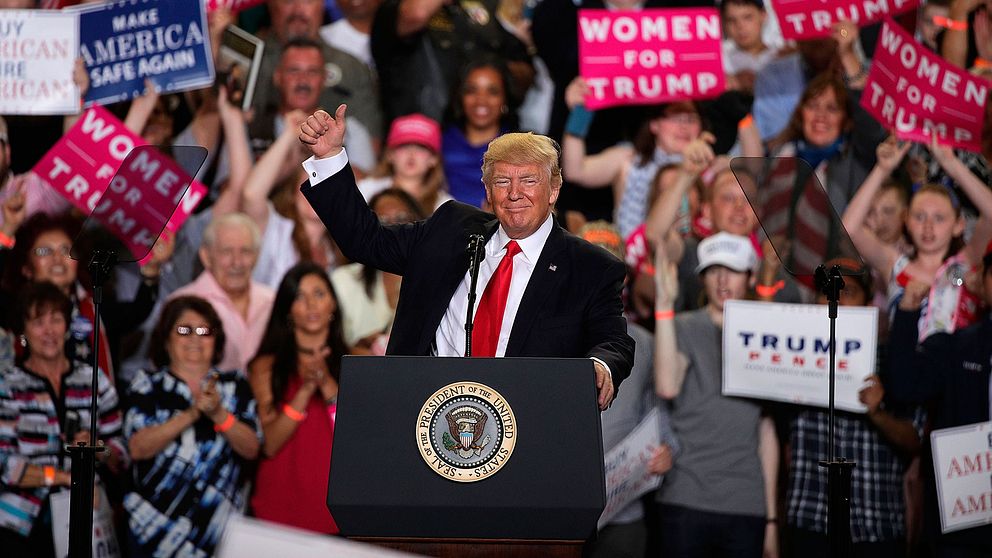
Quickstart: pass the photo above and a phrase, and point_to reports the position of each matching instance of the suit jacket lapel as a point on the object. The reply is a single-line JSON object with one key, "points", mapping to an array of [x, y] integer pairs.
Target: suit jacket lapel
{"points": [[548, 273], [448, 282]]}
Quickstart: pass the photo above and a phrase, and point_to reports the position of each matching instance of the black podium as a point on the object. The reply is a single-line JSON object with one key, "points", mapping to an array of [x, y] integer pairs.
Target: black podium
{"points": [[416, 466]]}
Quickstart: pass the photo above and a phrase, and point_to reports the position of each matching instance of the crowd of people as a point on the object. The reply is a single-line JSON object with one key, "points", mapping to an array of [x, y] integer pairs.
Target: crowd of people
{"points": [[219, 355]]}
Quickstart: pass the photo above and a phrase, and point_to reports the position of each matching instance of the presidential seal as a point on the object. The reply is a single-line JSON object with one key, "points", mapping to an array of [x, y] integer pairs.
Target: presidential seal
{"points": [[466, 431]]}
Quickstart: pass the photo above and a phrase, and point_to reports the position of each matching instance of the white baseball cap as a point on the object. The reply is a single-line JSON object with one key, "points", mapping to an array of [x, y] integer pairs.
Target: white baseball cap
{"points": [[729, 250]]}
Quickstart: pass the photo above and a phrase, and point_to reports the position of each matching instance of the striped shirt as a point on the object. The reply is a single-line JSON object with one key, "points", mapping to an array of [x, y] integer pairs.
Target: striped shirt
{"points": [[31, 419], [877, 504], [183, 496]]}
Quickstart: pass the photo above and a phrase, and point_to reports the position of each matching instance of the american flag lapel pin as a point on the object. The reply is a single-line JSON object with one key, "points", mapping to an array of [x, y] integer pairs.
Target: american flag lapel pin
{"points": [[553, 267]]}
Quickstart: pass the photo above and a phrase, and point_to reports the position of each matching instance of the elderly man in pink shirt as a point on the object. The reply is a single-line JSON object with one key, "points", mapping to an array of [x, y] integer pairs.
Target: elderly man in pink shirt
{"points": [[228, 253]]}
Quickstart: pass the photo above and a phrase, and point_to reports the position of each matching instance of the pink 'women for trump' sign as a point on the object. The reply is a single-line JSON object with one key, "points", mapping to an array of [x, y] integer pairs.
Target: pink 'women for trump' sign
{"points": [[805, 19], [918, 94], [88, 159], [650, 56]]}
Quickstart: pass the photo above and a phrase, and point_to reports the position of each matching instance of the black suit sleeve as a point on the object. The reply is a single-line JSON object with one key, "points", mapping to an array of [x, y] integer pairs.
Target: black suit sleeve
{"points": [[915, 373], [356, 229], [605, 330]]}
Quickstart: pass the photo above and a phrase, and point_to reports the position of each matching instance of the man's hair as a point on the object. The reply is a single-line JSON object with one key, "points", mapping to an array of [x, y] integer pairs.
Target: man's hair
{"points": [[725, 3], [231, 220], [302, 42], [524, 148]]}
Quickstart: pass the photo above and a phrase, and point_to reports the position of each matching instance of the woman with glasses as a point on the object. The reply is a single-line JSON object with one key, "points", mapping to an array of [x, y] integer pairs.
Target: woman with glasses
{"points": [[45, 403], [41, 252], [295, 380], [367, 295], [191, 430]]}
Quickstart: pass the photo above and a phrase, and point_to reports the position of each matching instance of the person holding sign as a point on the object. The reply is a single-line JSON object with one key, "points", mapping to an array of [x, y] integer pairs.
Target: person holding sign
{"points": [[940, 257], [951, 371], [881, 442], [719, 499]]}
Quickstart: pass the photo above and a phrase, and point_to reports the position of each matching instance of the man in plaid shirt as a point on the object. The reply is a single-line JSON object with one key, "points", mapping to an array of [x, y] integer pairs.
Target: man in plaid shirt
{"points": [[881, 443]]}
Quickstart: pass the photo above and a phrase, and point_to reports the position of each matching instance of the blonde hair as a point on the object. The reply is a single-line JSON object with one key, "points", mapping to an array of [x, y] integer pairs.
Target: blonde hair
{"points": [[525, 148]]}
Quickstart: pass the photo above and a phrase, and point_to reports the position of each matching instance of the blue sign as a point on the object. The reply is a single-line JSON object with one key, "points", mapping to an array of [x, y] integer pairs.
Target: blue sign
{"points": [[124, 43]]}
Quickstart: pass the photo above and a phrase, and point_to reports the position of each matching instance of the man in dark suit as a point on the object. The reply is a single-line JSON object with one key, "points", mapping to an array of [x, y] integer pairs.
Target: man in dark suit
{"points": [[543, 291]]}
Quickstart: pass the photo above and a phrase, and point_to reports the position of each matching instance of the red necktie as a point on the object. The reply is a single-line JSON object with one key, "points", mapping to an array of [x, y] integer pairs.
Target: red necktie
{"points": [[489, 315]]}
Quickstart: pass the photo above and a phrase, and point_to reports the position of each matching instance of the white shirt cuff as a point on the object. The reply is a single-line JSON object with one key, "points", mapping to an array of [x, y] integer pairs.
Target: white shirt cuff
{"points": [[606, 366], [319, 169]]}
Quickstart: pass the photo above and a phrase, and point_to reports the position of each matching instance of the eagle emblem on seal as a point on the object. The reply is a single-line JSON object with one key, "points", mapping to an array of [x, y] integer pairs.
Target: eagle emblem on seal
{"points": [[466, 426]]}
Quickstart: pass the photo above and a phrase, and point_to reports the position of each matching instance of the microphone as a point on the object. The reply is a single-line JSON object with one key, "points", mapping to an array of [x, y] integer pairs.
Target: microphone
{"points": [[475, 249]]}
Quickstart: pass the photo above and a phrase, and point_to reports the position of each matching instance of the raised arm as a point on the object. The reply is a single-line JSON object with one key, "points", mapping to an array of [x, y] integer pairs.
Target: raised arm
{"points": [[592, 171], [414, 15], [141, 108], [232, 120], [977, 192], [955, 45], [698, 155], [879, 255], [265, 174], [82, 81], [670, 365], [331, 191]]}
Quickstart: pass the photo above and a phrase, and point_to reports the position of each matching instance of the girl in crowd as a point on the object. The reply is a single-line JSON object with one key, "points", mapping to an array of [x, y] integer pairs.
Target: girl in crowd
{"points": [[295, 380], [480, 112], [368, 295], [719, 498], [291, 231], [36, 397], [411, 162], [629, 169], [939, 257], [191, 430]]}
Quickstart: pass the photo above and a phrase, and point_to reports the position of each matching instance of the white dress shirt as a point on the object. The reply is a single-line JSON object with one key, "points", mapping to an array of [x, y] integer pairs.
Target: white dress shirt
{"points": [[450, 338], [450, 335]]}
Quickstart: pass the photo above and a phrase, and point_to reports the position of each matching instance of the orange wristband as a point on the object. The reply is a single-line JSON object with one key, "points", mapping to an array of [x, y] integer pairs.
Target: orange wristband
{"points": [[746, 122], [49, 472], [292, 413], [980, 63], [769, 291], [226, 425], [952, 24], [6, 241], [660, 315]]}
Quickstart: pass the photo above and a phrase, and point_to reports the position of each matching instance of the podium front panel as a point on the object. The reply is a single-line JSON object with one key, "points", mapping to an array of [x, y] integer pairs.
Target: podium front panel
{"points": [[551, 486]]}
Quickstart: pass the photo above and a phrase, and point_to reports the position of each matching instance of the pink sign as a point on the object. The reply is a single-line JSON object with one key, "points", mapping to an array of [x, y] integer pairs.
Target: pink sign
{"points": [[916, 93], [650, 56], [82, 165], [803, 19], [233, 5]]}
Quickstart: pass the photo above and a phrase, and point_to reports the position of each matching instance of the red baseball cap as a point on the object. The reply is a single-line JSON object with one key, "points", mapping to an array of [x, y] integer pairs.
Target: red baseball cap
{"points": [[416, 129]]}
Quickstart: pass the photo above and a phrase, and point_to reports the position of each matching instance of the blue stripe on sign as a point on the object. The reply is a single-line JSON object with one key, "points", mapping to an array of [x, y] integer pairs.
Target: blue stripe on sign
{"points": [[18, 513]]}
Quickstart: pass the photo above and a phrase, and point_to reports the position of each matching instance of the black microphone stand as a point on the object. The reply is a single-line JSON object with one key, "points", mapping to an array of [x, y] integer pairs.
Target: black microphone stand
{"points": [[476, 245], [82, 456], [830, 283]]}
